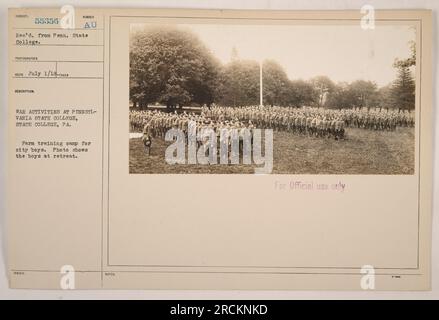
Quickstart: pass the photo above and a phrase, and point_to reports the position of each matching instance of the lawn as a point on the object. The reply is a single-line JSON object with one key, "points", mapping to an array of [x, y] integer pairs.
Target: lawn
{"points": [[362, 152]]}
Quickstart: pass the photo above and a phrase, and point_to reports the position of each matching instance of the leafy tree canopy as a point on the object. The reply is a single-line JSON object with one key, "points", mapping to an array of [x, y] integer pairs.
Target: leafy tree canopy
{"points": [[170, 66]]}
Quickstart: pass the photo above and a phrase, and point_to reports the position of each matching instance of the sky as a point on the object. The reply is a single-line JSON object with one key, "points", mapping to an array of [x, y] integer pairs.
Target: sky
{"points": [[344, 53]]}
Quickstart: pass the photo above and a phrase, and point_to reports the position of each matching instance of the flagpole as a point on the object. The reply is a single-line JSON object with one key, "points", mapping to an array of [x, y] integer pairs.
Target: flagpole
{"points": [[260, 84]]}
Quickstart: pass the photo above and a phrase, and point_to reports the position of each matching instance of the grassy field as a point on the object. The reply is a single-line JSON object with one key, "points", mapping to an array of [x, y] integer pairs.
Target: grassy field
{"points": [[362, 152]]}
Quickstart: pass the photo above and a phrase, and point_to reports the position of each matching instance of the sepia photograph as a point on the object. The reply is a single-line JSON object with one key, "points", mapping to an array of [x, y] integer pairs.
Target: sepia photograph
{"points": [[277, 150], [280, 99]]}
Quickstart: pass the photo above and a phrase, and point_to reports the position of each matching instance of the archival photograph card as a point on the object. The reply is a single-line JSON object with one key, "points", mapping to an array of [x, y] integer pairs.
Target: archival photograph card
{"points": [[219, 149]]}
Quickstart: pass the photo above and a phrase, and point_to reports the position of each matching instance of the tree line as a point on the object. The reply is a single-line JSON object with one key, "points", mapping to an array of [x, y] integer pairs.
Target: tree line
{"points": [[172, 67]]}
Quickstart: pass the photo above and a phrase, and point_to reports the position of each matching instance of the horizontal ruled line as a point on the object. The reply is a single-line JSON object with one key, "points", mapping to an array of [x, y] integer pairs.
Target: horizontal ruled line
{"points": [[58, 45], [53, 61], [226, 272], [58, 77], [64, 29]]}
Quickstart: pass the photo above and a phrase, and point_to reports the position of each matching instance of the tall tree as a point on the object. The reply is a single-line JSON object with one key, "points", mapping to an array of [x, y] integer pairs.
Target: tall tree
{"points": [[364, 93], [238, 84], [385, 97], [170, 66], [411, 60], [342, 96], [403, 92], [301, 93], [275, 84]]}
